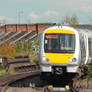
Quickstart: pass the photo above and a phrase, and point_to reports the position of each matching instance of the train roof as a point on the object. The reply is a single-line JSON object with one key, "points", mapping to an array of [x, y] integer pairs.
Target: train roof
{"points": [[79, 30], [85, 31]]}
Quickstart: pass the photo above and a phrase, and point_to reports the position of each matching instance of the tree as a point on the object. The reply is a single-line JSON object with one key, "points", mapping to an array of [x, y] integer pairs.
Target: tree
{"points": [[70, 20]]}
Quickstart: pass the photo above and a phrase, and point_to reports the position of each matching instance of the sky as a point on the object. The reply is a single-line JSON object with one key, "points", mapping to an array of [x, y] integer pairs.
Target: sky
{"points": [[36, 11]]}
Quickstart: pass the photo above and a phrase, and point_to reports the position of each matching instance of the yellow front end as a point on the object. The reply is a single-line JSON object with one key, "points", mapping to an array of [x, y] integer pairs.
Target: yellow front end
{"points": [[59, 57]]}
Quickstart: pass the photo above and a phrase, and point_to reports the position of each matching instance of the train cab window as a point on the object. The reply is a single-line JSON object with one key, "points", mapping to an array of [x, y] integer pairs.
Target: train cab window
{"points": [[59, 43], [67, 42], [51, 42]]}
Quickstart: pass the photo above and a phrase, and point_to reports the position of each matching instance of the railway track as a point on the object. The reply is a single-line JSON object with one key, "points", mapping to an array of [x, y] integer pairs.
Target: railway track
{"points": [[33, 83], [11, 80], [25, 68], [30, 81], [19, 64]]}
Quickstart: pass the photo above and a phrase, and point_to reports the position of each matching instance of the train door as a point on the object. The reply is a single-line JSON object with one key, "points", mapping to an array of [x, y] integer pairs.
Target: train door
{"points": [[82, 49], [90, 49]]}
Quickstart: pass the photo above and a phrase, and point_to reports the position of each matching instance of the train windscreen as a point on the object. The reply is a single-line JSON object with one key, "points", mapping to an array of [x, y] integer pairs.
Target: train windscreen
{"points": [[59, 43]]}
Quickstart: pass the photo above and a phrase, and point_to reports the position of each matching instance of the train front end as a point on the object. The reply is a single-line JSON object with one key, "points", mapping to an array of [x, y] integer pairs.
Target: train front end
{"points": [[59, 51]]}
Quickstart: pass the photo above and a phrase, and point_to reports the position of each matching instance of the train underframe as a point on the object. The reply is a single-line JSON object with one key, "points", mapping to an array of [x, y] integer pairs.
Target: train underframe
{"points": [[58, 76], [60, 80], [63, 78]]}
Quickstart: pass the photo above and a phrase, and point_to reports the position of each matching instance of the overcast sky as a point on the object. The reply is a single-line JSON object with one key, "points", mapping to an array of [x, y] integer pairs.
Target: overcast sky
{"points": [[32, 11]]}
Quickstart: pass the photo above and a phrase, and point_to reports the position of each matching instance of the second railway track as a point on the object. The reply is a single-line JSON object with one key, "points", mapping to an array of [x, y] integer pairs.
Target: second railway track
{"points": [[19, 64], [22, 80]]}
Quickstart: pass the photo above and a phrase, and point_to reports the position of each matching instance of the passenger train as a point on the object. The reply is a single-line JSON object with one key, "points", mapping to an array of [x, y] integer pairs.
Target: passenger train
{"points": [[63, 50]]}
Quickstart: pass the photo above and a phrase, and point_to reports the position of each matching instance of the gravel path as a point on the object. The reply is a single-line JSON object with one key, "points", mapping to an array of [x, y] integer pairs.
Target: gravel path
{"points": [[14, 89]]}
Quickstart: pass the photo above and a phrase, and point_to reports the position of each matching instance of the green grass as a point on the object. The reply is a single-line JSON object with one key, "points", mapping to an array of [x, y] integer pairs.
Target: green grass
{"points": [[13, 72], [2, 71]]}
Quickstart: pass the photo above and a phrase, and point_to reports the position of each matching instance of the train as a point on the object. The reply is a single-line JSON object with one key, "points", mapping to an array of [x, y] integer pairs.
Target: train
{"points": [[63, 50]]}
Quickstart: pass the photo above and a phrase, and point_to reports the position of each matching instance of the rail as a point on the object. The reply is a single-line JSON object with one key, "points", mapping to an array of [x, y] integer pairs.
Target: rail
{"points": [[15, 77]]}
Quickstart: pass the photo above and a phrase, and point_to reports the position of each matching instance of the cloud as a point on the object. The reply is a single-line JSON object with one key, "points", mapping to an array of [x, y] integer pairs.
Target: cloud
{"points": [[86, 9], [50, 14], [5, 18], [33, 15], [46, 16], [80, 5]]}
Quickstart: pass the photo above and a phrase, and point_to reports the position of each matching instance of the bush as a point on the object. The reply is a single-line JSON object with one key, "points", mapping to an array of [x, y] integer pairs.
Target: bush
{"points": [[23, 46], [90, 71], [7, 50]]}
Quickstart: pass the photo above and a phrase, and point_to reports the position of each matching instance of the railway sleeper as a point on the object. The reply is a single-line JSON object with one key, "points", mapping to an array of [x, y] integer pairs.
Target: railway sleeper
{"points": [[25, 68]]}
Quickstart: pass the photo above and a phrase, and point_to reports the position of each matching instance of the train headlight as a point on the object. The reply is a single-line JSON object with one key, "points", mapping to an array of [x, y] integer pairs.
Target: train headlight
{"points": [[73, 60], [44, 59]]}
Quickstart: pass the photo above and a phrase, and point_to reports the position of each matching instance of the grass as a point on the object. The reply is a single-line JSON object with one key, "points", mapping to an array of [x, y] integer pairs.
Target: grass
{"points": [[2, 71], [13, 72], [90, 71]]}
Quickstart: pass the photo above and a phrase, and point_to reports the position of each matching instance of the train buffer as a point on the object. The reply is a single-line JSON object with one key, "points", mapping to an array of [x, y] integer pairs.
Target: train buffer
{"points": [[50, 88]]}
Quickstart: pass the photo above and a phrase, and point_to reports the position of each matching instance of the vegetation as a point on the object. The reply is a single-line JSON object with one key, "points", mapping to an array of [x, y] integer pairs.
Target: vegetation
{"points": [[13, 72], [89, 71], [7, 50], [71, 21], [2, 71], [29, 48], [35, 50], [21, 48]]}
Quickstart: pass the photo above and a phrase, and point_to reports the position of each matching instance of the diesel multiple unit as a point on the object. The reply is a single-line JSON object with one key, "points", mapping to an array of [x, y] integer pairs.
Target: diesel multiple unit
{"points": [[64, 49]]}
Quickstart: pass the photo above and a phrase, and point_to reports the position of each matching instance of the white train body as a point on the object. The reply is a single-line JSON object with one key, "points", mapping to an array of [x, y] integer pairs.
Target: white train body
{"points": [[65, 49]]}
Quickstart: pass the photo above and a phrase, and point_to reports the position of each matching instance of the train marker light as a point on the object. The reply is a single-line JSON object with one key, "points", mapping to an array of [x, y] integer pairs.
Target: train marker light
{"points": [[44, 59], [73, 60]]}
